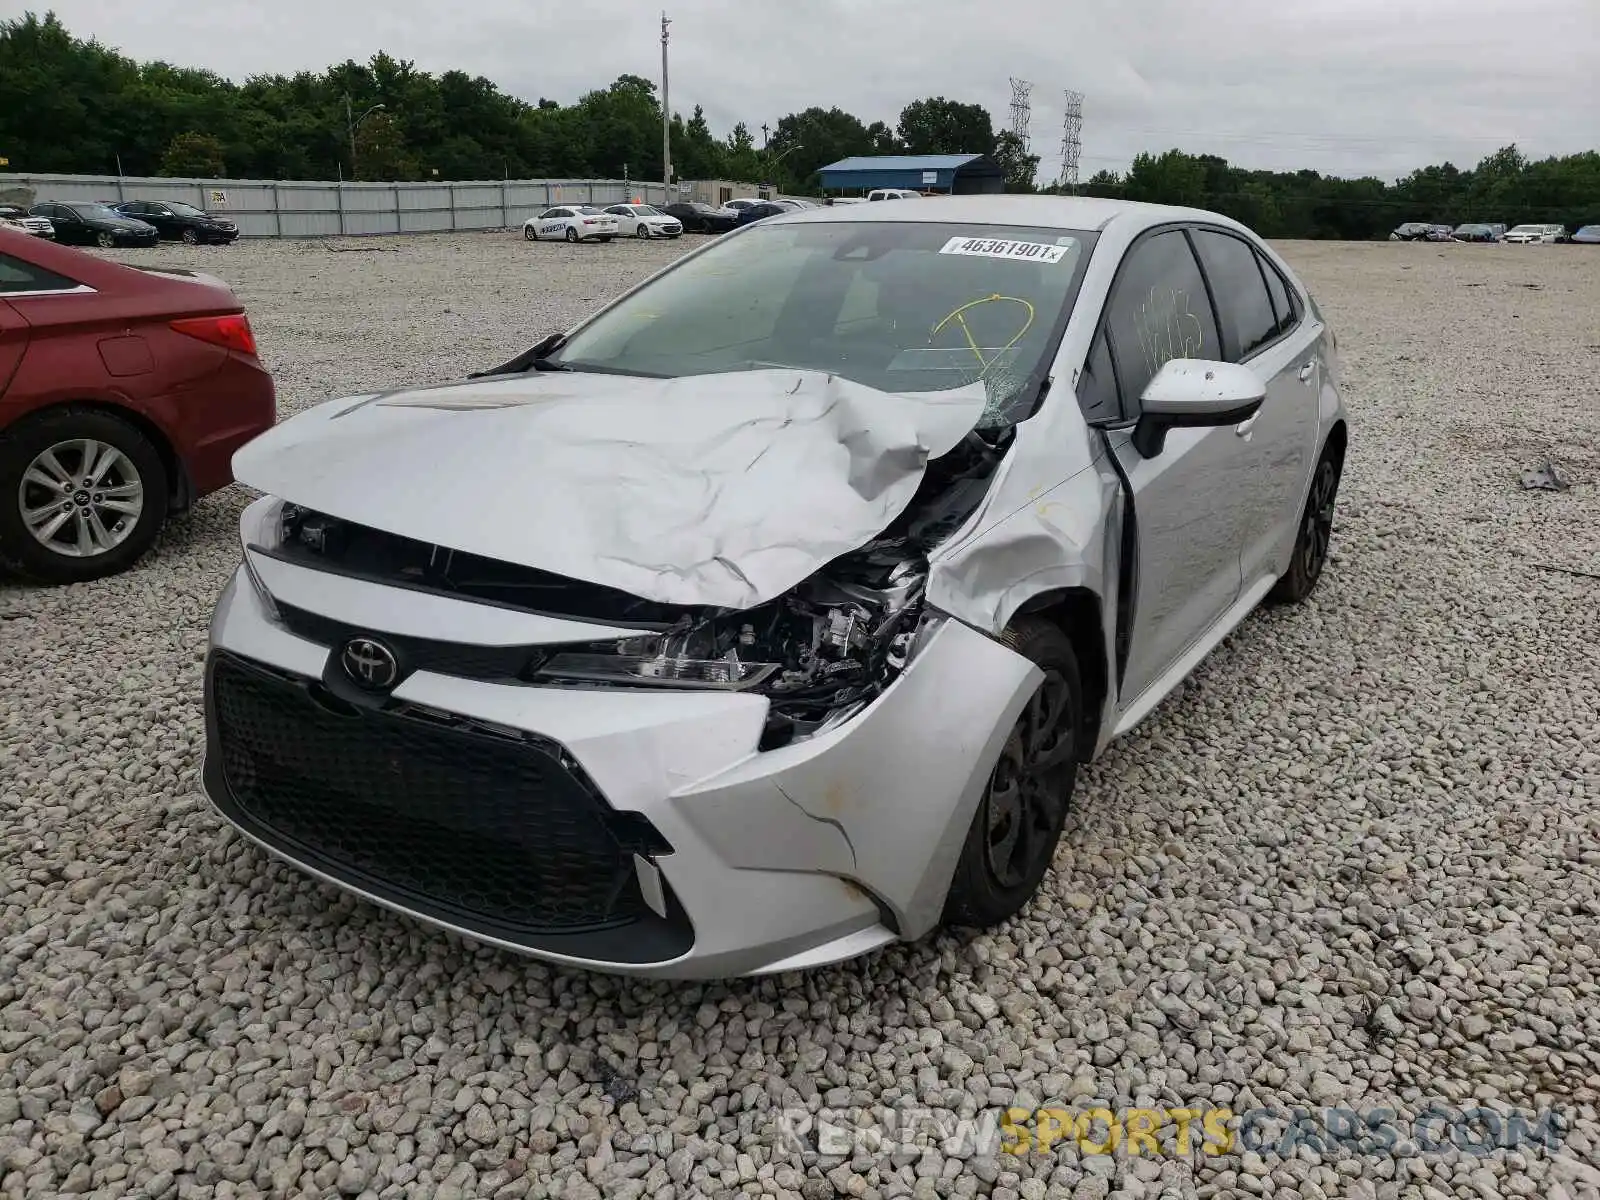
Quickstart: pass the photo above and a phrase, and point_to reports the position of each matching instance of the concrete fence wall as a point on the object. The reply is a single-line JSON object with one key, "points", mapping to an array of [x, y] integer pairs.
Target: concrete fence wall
{"points": [[298, 208]]}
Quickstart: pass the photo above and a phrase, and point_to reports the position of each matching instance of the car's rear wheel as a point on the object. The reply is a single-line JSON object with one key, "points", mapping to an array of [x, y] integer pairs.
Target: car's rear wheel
{"points": [[1315, 534], [190, 237], [83, 494], [105, 241], [1013, 835], [572, 233]]}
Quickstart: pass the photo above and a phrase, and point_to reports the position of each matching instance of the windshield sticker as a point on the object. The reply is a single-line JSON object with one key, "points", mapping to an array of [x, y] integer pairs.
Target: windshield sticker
{"points": [[1001, 248]]}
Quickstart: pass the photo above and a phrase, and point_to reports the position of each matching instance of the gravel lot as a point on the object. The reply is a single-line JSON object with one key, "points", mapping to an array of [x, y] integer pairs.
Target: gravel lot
{"points": [[1354, 862]]}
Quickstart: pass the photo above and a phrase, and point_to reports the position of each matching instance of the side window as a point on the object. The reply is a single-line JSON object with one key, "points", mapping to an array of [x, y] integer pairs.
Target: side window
{"points": [[1245, 308], [1284, 307], [1097, 386], [1159, 312], [19, 278], [619, 210]]}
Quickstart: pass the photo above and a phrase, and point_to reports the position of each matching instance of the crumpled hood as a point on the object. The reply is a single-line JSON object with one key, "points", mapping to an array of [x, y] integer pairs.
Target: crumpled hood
{"points": [[724, 490]]}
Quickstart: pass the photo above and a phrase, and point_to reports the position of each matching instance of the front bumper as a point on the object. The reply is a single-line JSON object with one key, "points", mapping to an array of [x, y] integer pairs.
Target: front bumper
{"points": [[741, 862]]}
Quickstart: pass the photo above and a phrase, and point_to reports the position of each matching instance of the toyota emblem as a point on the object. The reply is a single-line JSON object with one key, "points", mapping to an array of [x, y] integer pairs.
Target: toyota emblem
{"points": [[369, 663]]}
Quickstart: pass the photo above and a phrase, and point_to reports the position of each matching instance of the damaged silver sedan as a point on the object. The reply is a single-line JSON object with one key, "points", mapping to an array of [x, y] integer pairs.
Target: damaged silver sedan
{"points": [[766, 617]]}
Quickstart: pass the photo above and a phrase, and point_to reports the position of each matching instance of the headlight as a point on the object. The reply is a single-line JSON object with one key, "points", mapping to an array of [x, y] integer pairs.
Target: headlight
{"points": [[658, 668], [261, 524]]}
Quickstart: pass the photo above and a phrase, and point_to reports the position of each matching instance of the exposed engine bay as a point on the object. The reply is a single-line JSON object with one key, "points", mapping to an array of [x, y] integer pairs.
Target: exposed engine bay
{"points": [[819, 653]]}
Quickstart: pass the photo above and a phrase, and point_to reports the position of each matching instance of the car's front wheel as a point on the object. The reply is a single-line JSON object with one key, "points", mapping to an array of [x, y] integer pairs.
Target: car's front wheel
{"points": [[83, 494], [528, 234], [1013, 835], [1315, 534], [190, 237], [642, 232], [106, 241]]}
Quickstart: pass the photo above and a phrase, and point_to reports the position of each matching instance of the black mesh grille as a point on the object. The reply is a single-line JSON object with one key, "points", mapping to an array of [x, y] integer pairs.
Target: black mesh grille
{"points": [[460, 820]]}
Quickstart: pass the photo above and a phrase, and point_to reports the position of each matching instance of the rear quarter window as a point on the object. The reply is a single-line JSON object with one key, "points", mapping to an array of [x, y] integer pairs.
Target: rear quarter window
{"points": [[18, 278]]}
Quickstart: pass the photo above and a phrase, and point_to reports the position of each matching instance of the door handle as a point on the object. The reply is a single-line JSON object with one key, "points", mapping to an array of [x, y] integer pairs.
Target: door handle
{"points": [[1306, 372]]}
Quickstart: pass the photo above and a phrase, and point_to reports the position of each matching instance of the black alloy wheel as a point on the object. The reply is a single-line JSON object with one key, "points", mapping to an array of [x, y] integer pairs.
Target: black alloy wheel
{"points": [[1315, 535], [1012, 839]]}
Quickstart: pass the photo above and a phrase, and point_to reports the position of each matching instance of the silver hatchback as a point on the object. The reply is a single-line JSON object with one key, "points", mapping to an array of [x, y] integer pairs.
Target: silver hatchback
{"points": [[767, 616]]}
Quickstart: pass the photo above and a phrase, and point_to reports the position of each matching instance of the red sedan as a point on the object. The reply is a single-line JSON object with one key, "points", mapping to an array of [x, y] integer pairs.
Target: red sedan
{"points": [[124, 392]]}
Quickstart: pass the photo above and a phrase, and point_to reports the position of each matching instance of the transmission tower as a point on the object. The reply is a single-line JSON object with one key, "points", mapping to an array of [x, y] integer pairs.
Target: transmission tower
{"points": [[1071, 139], [1021, 110]]}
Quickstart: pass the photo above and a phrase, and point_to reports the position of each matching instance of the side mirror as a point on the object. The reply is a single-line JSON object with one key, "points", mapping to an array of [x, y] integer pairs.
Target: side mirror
{"points": [[1190, 393]]}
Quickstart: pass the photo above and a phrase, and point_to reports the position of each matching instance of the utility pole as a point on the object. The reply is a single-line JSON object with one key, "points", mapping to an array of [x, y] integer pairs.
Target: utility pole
{"points": [[350, 125], [666, 119]]}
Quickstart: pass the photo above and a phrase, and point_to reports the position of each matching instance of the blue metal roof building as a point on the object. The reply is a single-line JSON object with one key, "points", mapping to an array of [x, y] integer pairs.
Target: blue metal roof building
{"points": [[959, 174]]}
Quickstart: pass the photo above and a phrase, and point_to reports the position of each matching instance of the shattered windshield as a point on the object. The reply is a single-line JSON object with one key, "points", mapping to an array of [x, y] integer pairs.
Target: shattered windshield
{"points": [[901, 306]]}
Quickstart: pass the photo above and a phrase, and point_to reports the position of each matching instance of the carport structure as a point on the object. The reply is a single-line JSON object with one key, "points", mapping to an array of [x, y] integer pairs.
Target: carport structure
{"points": [[947, 174]]}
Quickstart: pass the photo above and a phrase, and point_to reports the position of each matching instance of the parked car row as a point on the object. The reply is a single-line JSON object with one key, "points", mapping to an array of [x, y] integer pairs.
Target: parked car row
{"points": [[126, 223], [592, 223], [1474, 231]]}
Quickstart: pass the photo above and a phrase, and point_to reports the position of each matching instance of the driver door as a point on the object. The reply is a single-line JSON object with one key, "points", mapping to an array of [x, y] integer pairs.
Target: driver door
{"points": [[1186, 500]]}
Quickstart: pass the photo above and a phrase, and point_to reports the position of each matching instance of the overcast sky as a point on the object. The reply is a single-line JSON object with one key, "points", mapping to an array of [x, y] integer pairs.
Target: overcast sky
{"points": [[1343, 86]]}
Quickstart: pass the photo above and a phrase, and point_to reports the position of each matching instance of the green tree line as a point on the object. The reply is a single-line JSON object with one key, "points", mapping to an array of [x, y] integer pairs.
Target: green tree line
{"points": [[73, 105]]}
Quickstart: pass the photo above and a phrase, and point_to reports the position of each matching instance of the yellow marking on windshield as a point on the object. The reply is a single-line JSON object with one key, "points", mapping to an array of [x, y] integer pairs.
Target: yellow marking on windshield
{"points": [[959, 316]]}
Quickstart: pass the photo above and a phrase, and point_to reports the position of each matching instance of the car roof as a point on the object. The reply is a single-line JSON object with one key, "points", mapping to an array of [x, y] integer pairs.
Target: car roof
{"points": [[1064, 212]]}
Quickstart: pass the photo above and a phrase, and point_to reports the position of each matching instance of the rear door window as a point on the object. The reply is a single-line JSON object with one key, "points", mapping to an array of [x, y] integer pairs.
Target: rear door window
{"points": [[1244, 306]]}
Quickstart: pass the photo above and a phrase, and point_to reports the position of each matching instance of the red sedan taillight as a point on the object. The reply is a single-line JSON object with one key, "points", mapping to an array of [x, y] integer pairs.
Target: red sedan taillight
{"points": [[231, 332]]}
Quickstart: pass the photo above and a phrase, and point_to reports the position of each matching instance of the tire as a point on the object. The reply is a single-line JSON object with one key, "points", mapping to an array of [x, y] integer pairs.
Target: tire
{"points": [[137, 467], [642, 232], [984, 892], [105, 241], [190, 237], [529, 233], [572, 234], [1314, 534]]}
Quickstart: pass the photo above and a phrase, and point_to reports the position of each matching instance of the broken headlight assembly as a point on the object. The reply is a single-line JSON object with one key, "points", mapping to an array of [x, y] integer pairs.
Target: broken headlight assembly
{"points": [[818, 653]]}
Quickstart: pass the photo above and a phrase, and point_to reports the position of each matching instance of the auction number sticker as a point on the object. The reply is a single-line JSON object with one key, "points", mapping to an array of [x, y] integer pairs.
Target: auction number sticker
{"points": [[1001, 248]]}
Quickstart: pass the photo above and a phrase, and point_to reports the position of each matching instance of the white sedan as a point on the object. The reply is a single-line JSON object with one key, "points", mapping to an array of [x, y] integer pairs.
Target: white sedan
{"points": [[574, 222], [644, 221]]}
